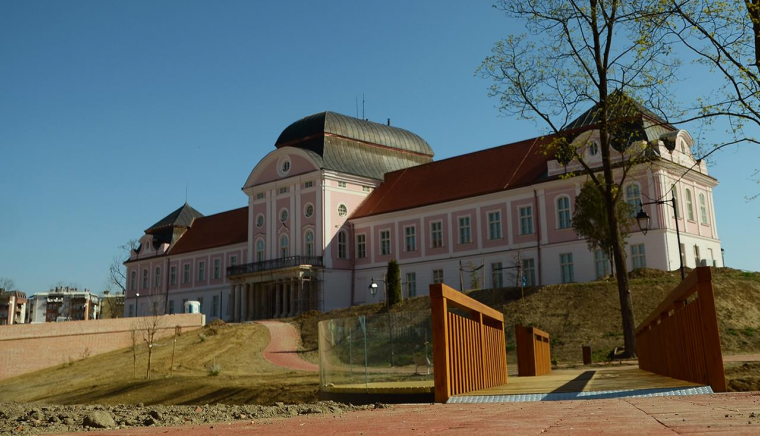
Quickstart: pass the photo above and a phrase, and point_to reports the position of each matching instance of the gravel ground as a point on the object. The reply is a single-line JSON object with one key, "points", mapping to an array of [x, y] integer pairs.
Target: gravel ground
{"points": [[32, 419]]}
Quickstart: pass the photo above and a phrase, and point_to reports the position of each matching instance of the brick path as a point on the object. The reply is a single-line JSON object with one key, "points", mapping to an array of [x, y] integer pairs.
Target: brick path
{"points": [[734, 414], [283, 347]]}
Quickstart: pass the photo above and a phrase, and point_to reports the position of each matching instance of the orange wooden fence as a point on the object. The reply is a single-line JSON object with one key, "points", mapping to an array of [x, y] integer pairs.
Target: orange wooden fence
{"points": [[468, 353], [533, 355], [680, 338]]}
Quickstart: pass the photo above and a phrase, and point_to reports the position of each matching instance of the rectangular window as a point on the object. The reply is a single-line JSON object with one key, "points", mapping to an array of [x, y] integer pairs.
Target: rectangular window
{"points": [[308, 184], [566, 263], [217, 269], [366, 189], [563, 213], [173, 275], [171, 306], [385, 242], [675, 196], [342, 245], [134, 280], [602, 263], [497, 275], [215, 306], [186, 274], [200, 305], [411, 285], [465, 236], [697, 257], [361, 246], [201, 271], [436, 234], [683, 254], [526, 220], [259, 195], [711, 259], [283, 190], [157, 278], [233, 260], [341, 184], [437, 276], [145, 279], [638, 255], [529, 272], [494, 225], [131, 310], [410, 238]]}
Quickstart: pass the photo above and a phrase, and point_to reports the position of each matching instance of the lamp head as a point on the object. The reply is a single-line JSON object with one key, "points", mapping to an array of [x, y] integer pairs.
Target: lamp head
{"points": [[643, 219], [373, 288]]}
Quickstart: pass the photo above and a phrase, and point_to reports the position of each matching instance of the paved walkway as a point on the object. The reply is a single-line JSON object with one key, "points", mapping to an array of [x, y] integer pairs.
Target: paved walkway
{"points": [[283, 347], [734, 414]]}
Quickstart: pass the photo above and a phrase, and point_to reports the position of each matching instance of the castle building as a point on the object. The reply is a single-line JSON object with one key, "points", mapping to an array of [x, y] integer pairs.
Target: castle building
{"points": [[339, 197]]}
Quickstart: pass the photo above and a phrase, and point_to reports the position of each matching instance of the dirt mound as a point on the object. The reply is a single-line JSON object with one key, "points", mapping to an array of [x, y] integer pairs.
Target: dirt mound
{"points": [[31, 419], [217, 323], [648, 273]]}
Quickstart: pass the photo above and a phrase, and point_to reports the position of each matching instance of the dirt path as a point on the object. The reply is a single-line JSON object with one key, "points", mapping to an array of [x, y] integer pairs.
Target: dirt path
{"points": [[283, 347], [734, 414]]}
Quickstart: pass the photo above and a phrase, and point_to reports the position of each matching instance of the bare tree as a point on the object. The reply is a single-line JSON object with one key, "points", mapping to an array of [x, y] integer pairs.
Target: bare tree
{"points": [[117, 272], [7, 284], [606, 55], [148, 326]]}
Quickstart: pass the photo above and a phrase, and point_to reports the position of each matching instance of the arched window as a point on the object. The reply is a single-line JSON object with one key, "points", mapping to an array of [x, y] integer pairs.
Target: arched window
{"points": [[689, 205], [703, 209], [633, 197], [284, 246], [309, 243], [260, 250], [342, 245], [145, 279], [563, 212], [157, 279], [134, 280]]}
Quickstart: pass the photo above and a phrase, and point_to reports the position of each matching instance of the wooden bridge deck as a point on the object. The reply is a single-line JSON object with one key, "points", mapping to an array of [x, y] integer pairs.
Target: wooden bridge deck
{"points": [[585, 380]]}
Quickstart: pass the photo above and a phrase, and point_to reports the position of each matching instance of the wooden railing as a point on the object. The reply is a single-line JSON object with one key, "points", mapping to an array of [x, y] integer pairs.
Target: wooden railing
{"points": [[468, 353], [680, 338], [533, 355]]}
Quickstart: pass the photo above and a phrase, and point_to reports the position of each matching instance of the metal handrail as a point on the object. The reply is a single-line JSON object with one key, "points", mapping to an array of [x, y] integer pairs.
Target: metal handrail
{"points": [[272, 264]]}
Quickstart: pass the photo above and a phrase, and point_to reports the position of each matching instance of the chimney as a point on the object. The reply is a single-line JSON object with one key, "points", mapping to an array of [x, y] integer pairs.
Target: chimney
{"points": [[389, 122]]}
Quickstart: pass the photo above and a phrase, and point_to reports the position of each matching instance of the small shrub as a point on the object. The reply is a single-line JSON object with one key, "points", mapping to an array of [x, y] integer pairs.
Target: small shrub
{"points": [[214, 370], [554, 362], [202, 337], [86, 353], [732, 332], [748, 331]]}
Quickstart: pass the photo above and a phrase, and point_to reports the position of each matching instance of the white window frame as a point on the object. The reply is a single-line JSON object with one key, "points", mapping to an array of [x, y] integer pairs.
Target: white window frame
{"points": [[361, 246], [633, 200], [465, 229], [342, 244], [529, 271], [217, 268], [564, 215], [703, 209], [173, 275], [133, 285], [157, 277], [601, 264], [411, 284], [494, 225], [436, 242], [186, 273], [342, 210], [385, 242], [567, 269], [526, 220], [438, 277], [689, 205], [309, 244], [145, 278], [260, 250], [497, 275], [284, 246], [201, 270], [638, 256], [410, 238]]}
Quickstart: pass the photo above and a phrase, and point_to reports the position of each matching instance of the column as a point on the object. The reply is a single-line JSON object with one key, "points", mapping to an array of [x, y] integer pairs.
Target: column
{"points": [[237, 303], [288, 300], [277, 301], [293, 298], [244, 303], [231, 304]]}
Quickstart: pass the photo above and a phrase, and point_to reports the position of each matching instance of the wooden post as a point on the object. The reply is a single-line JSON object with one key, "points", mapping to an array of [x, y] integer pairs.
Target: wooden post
{"points": [[710, 334], [441, 376]]}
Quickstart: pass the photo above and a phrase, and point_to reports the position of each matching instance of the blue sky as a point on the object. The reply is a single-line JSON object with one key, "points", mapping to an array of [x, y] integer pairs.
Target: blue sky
{"points": [[108, 110]]}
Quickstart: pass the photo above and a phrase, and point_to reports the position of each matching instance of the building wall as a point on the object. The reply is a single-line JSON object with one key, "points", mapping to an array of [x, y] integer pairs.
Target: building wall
{"points": [[30, 347]]}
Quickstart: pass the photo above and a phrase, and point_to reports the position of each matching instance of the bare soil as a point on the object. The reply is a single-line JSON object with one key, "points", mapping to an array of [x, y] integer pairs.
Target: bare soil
{"points": [[27, 419]]}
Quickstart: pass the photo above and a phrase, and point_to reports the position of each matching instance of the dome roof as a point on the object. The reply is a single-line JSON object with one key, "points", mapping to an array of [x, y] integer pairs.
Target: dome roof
{"points": [[309, 133]]}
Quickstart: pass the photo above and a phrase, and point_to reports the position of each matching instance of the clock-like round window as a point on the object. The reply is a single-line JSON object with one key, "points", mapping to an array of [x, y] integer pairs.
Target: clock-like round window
{"points": [[309, 211], [286, 166], [342, 210], [283, 166], [259, 220], [593, 149], [284, 215]]}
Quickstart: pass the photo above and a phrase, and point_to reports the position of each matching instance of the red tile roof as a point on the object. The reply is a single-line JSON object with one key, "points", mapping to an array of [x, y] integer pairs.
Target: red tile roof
{"points": [[225, 228], [496, 169]]}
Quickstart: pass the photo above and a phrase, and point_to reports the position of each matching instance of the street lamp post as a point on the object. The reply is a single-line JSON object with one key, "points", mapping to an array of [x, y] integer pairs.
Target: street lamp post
{"points": [[373, 292], [643, 220], [137, 304]]}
